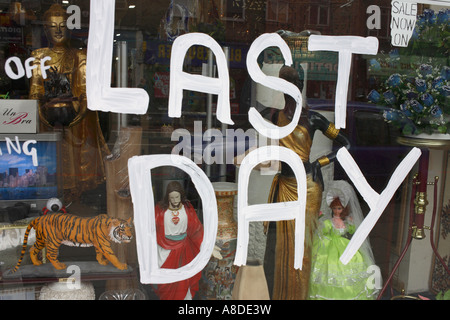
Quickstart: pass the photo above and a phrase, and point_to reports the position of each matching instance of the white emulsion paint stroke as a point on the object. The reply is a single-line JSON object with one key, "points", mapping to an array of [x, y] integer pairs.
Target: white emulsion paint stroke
{"points": [[180, 80], [29, 66], [377, 202], [264, 127], [346, 46], [31, 152], [272, 211], [139, 168], [100, 95]]}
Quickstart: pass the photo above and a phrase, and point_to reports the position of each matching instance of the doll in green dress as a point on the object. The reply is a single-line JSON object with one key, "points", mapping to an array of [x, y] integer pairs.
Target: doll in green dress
{"points": [[330, 278]]}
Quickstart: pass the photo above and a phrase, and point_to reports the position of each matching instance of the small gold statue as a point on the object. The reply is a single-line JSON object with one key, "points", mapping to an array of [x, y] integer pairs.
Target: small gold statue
{"points": [[61, 93], [68, 66]]}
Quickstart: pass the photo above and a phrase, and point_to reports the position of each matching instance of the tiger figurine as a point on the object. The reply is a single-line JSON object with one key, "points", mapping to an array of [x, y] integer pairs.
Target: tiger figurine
{"points": [[55, 229]]}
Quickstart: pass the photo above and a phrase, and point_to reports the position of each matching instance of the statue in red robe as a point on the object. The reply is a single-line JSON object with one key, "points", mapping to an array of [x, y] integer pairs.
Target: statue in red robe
{"points": [[179, 235]]}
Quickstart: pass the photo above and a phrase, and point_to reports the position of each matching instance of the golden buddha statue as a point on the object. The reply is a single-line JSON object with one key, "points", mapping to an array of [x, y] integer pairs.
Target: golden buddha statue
{"points": [[61, 93]]}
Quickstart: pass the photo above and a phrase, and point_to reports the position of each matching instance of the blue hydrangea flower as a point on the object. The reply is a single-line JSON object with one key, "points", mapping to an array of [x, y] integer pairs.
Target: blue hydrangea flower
{"points": [[442, 16], [374, 64], [418, 98], [445, 73], [374, 96], [438, 83], [421, 20], [436, 111], [389, 96], [405, 109], [416, 106], [415, 34], [429, 15], [427, 99], [445, 90], [421, 85], [411, 95], [394, 56], [390, 115], [425, 69], [394, 80]]}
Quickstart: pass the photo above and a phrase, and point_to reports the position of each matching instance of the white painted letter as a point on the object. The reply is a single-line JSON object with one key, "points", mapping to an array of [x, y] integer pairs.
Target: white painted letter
{"points": [[29, 66], [180, 80], [9, 144], [44, 68], [346, 46], [139, 168], [273, 211], [32, 152], [10, 73], [377, 202], [100, 95], [258, 122]]}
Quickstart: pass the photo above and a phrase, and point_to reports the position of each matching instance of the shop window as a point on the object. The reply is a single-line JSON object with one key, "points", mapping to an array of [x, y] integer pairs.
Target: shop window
{"points": [[61, 159], [233, 10], [366, 123], [319, 15], [277, 11]]}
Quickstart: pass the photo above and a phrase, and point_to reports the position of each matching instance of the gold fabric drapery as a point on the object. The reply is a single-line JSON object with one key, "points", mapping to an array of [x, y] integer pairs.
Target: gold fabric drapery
{"points": [[290, 283]]}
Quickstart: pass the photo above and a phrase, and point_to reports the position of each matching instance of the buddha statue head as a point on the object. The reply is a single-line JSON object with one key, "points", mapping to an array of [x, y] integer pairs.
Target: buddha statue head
{"points": [[55, 19]]}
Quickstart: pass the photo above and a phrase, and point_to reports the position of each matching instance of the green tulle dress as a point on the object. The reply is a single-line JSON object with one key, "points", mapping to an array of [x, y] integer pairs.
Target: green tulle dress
{"points": [[330, 278]]}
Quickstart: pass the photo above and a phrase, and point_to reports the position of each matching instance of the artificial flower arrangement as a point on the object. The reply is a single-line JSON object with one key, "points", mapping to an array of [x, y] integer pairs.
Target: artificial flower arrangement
{"points": [[419, 101]]}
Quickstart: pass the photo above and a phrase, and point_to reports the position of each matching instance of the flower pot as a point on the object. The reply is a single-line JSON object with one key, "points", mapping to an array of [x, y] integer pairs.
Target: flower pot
{"points": [[423, 140], [219, 274], [433, 136]]}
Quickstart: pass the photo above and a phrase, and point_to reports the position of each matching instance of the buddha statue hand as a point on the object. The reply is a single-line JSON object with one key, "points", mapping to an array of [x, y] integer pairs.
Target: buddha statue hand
{"points": [[58, 111]]}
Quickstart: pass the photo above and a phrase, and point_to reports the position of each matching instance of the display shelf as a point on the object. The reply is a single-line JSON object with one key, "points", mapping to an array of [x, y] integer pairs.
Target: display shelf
{"points": [[46, 273], [428, 143]]}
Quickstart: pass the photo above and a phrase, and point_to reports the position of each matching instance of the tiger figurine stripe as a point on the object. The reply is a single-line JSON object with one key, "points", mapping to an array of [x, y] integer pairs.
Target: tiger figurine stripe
{"points": [[55, 229]]}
